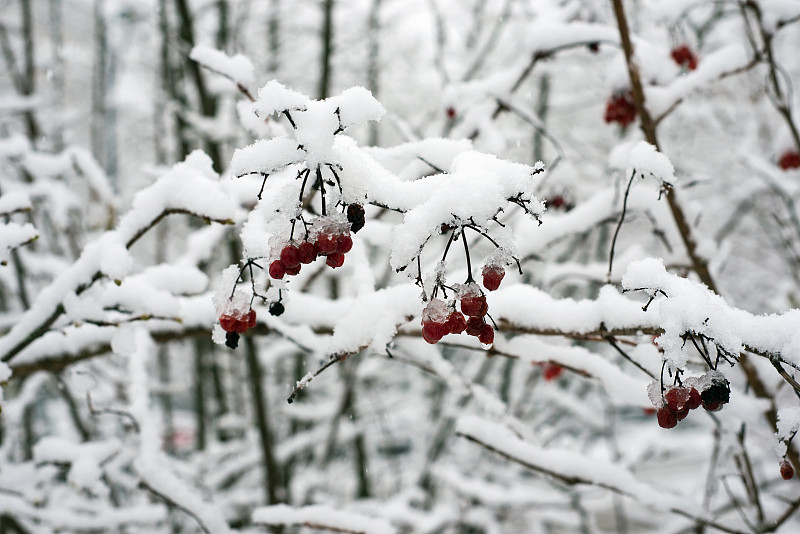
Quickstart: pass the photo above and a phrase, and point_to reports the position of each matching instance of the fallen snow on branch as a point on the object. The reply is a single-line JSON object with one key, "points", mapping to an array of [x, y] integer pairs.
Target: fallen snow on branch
{"points": [[321, 517]]}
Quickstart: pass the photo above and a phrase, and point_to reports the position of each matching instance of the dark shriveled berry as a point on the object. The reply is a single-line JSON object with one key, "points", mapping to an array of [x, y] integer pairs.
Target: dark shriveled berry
{"points": [[276, 309], [232, 340], [719, 391], [355, 216]]}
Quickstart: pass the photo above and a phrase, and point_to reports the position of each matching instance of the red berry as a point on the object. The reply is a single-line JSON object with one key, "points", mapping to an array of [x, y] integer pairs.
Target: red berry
{"points": [[486, 335], [344, 243], [290, 256], [492, 276], [789, 160], [474, 305], [335, 260], [227, 322], [277, 270], [712, 406], [326, 244], [666, 418], [475, 326], [787, 471], [677, 399], [451, 112], [621, 108], [251, 318], [240, 326], [551, 371], [695, 400], [293, 271], [433, 332], [683, 56], [456, 323], [682, 414], [306, 252], [556, 202]]}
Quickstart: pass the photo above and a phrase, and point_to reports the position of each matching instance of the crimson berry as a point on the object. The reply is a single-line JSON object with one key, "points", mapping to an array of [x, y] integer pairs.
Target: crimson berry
{"points": [[433, 332], [486, 335], [306, 252], [551, 371], [712, 406], [677, 398], [344, 243], [451, 112], [621, 108], [789, 160], [695, 400], [787, 471], [474, 305], [474, 326], [682, 414], [492, 276], [666, 418], [556, 202], [456, 323], [227, 322], [326, 244], [335, 260], [240, 326], [683, 56], [290, 256], [277, 270], [293, 271], [251, 318]]}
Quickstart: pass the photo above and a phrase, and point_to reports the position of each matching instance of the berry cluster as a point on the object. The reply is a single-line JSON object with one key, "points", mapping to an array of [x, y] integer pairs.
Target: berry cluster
{"points": [[620, 108], [329, 244], [438, 319], [679, 400], [789, 160], [235, 323], [683, 56]]}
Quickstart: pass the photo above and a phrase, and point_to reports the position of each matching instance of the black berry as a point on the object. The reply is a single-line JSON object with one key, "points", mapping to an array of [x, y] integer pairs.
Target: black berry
{"points": [[276, 309]]}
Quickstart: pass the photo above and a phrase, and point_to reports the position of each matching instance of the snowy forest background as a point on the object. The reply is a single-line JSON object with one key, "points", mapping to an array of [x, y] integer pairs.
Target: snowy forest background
{"points": [[134, 148]]}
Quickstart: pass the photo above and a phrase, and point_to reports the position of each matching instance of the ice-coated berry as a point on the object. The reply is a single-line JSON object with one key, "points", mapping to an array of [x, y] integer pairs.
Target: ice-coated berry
{"points": [[551, 371], [456, 323], [789, 160], [232, 340], [474, 305], [486, 335], [335, 260], [433, 332], [666, 418], [695, 400], [344, 243], [293, 271], [326, 244], [475, 326], [718, 391], [290, 256], [677, 398], [787, 471], [251, 318], [683, 56], [227, 322], [306, 252], [276, 309], [276, 270], [240, 326], [492, 276]]}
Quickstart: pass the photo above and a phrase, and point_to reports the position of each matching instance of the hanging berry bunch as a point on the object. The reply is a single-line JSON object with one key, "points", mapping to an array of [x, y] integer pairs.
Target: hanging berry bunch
{"points": [[487, 187], [711, 391], [315, 205], [621, 108], [683, 56]]}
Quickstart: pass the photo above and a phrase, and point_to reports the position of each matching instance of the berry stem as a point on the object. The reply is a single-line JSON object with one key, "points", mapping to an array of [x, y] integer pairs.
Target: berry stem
{"points": [[466, 252], [322, 190]]}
